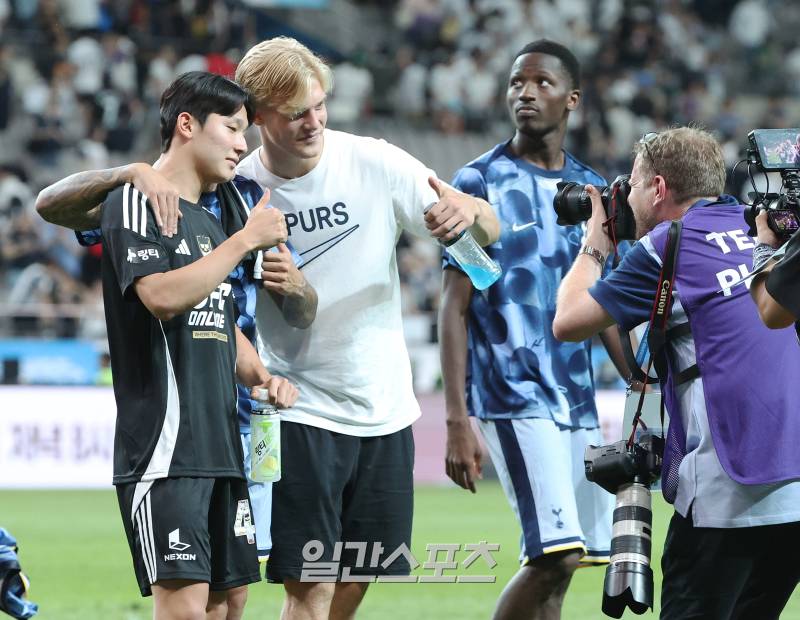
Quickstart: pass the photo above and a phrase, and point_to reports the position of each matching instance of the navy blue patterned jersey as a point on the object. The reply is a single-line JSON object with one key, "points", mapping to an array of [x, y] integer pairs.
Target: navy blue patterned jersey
{"points": [[515, 367]]}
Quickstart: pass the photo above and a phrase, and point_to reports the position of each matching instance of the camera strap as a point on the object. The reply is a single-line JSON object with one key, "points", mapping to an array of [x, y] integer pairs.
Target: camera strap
{"points": [[658, 334]]}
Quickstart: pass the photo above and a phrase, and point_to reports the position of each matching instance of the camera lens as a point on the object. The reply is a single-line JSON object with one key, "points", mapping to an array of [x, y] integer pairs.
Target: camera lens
{"points": [[572, 203], [629, 578]]}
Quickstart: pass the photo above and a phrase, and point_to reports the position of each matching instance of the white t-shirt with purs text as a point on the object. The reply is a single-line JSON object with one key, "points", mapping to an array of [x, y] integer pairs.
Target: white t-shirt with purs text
{"points": [[344, 218]]}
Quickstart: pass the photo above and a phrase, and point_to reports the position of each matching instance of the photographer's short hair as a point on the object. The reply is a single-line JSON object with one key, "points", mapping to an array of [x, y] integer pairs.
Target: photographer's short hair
{"points": [[690, 160], [568, 60], [200, 93], [279, 72]]}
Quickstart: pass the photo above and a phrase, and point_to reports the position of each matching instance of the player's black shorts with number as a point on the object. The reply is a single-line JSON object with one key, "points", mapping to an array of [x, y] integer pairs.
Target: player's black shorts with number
{"points": [[340, 488], [190, 528]]}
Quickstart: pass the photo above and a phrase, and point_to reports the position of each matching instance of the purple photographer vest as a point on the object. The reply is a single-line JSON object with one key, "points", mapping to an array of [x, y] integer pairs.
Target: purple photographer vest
{"points": [[750, 374]]}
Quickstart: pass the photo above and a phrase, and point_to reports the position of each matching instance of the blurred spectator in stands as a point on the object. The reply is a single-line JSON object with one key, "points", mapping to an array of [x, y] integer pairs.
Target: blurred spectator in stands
{"points": [[223, 62], [750, 23], [51, 40], [15, 194], [410, 97], [121, 136], [192, 62], [776, 115], [160, 73], [421, 22], [479, 92], [350, 100], [420, 271], [5, 13], [47, 138], [20, 244], [80, 14], [695, 104], [90, 152], [87, 55], [6, 87], [120, 59], [445, 85]]}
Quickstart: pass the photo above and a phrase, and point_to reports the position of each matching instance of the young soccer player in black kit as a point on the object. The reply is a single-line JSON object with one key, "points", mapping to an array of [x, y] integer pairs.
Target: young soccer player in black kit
{"points": [[176, 353]]}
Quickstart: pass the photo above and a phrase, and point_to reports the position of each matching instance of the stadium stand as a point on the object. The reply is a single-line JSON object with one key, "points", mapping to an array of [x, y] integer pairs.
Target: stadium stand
{"points": [[79, 80]]}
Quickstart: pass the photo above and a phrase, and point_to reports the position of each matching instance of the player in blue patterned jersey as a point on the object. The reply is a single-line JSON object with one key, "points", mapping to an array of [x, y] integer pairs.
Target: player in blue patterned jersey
{"points": [[533, 396]]}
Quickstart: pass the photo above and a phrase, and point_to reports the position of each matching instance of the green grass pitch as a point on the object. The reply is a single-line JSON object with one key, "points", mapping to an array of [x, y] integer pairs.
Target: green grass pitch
{"points": [[73, 547]]}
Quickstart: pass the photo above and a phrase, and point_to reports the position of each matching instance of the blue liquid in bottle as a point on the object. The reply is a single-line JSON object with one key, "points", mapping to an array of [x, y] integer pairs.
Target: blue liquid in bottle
{"points": [[481, 270], [481, 278]]}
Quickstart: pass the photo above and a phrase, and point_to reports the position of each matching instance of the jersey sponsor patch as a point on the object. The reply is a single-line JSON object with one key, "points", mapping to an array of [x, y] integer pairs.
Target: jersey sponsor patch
{"points": [[141, 255], [204, 243], [197, 335], [175, 541]]}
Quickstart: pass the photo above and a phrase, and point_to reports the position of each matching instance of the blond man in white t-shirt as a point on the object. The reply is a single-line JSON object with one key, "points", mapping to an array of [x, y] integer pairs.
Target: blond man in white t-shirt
{"points": [[347, 445]]}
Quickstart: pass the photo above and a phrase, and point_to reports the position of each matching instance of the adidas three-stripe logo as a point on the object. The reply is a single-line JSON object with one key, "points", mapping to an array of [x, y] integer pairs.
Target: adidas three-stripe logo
{"points": [[183, 248], [134, 210]]}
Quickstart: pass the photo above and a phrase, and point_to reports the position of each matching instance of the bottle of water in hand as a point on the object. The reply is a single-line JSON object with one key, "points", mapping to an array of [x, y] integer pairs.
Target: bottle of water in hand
{"points": [[265, 440], [475, 262]]}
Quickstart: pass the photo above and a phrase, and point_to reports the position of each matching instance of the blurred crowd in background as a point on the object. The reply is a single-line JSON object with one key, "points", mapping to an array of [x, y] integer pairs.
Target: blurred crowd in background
{"points": [[80, 82]]}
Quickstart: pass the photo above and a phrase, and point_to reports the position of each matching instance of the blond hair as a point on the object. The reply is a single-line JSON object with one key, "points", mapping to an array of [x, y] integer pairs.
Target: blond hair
{"points": [[690, 160], [280, 73]]}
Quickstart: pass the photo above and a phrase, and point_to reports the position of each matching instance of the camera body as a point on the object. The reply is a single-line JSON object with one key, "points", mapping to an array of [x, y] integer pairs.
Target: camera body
{"points": [[616, 464], [627, 472], [776, 150], [573, 206]]}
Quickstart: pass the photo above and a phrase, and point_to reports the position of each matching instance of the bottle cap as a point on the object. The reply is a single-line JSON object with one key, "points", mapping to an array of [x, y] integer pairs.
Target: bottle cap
{"points": [[447, 244], [262, 394]]}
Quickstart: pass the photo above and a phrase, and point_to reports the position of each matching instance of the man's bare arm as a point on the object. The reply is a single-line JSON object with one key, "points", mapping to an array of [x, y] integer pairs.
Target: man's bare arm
{"points": [[463, 454], [772, 314], [457, 211], [296, 298], [76, 201], [298, 310]]}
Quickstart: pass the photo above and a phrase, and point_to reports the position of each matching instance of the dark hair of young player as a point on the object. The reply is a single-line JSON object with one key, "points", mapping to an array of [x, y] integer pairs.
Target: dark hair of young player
{"points": [[200, 93]]}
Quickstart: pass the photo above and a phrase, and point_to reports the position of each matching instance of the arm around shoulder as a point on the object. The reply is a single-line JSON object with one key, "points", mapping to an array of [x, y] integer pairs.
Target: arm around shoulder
{"points": [[75, 201]]}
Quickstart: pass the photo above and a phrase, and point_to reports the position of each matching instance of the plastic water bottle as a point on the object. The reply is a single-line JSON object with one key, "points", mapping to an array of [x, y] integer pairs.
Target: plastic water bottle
{"points": [[475, 262], [265, 440]]}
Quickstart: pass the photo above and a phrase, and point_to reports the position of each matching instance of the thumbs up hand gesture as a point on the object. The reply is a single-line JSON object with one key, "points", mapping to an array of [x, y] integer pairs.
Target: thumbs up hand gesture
{"points": [[266, 226], [452, 214], [280, 274]]}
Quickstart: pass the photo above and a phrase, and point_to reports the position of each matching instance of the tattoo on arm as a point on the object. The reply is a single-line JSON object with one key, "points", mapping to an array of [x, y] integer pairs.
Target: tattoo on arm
{"points": [[75, 202], [300, 310]]}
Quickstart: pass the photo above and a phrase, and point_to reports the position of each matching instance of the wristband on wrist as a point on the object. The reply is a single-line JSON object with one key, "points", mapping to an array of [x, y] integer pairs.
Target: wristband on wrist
{"points": [[595, 254], [761, 254]]}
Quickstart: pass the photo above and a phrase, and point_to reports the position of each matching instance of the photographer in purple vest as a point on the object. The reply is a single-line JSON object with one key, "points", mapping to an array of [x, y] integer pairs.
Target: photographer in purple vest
{"points": [[731, 462]]}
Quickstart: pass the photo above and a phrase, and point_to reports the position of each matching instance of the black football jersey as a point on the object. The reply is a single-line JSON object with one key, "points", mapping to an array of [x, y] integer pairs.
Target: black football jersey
{"points": [[174, 381]]}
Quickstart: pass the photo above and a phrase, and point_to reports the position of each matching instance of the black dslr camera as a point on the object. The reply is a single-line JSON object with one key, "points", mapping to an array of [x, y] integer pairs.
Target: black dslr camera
{"points": [[627, 472], [573, 205], [775, 150]]}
